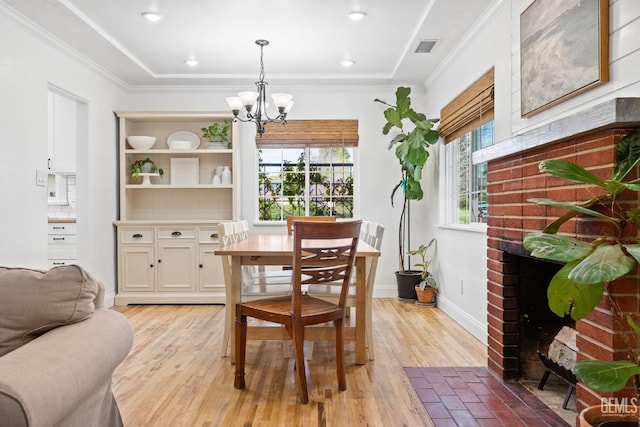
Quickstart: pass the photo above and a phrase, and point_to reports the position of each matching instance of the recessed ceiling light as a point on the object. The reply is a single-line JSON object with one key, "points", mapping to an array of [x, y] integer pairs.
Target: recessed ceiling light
{"points": [[347, 63], [152, 16], [191, 62], [356, 15]]}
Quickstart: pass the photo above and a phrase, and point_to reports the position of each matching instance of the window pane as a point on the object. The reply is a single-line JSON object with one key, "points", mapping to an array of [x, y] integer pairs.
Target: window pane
{"points": [[468, 197], [291, 185]]}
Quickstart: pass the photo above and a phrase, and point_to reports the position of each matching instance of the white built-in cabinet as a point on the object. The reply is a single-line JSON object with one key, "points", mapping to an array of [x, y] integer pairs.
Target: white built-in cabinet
{"points": [[167, 232]]}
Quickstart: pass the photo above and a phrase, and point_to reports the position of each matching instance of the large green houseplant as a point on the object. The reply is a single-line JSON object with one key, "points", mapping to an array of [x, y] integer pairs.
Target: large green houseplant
{"points": [[412, 151], [593, 265]]}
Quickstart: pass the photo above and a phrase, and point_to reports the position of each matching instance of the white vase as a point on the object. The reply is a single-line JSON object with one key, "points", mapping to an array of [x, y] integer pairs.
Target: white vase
{"points": [[226, 176]]}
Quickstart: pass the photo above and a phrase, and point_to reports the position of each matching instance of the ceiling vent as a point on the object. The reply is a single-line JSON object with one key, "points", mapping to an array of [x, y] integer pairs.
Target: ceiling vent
{"points": [[425, 46]]}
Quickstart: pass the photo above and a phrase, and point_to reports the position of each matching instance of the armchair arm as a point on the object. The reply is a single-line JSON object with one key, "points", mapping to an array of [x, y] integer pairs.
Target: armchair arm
{"points": [[44, 380]]}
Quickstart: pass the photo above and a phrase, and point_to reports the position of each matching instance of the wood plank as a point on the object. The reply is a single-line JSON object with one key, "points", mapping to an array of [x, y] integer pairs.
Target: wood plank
{"points": [[175, 377]]}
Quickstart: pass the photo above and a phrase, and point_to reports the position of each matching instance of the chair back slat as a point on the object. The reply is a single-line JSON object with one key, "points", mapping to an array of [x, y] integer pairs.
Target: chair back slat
{"points": [[323, 253]]}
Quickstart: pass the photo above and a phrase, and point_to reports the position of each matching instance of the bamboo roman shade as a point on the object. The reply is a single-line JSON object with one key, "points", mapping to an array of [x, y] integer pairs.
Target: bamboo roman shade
{"points": [[468, 110], [304, 133]]}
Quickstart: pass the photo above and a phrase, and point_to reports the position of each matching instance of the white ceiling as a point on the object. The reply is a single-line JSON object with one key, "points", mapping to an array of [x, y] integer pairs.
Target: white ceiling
{"points": [[307, 38]]}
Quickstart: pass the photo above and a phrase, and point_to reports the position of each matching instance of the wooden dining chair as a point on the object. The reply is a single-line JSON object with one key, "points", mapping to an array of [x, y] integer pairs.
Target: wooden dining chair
{"points": [[322, 252], [255, 283], [370, 233], [292, 219]]}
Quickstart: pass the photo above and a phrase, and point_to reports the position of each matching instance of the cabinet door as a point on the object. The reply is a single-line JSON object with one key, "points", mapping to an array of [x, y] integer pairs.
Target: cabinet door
{"points": [[137, 268], [63, 125], [210, 274], [176, 266]]}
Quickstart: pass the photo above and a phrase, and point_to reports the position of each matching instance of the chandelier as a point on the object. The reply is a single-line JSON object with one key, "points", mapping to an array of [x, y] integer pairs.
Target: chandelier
{"points": [[255, 104]]}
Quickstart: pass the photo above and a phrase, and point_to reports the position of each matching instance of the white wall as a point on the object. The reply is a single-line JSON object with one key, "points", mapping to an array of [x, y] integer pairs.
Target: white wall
{"points": [[460, 264], [28, 64]]}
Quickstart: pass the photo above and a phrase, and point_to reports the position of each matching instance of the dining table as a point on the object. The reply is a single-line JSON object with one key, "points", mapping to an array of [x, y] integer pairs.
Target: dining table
{"points": [[272, 249]]}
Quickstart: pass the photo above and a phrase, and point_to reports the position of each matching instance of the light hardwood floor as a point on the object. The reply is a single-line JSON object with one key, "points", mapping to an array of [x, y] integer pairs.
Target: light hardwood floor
{"points": [[174, 375]]}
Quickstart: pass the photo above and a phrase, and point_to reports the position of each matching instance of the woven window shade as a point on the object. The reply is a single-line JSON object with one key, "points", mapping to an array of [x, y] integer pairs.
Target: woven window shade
{"points": [[468, 110], [305, 133]]}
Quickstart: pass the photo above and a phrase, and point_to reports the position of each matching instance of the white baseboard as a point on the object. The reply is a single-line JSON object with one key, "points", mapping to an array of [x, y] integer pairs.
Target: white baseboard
{"points": [[472, 325], [385, 291], [109, 299]]}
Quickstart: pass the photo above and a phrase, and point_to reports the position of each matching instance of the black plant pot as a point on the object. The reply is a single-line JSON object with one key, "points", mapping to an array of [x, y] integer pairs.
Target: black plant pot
{"points": [[407, 281]]}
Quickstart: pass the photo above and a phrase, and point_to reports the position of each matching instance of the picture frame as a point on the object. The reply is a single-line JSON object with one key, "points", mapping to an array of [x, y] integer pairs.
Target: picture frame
{"points": [[564, 51]]}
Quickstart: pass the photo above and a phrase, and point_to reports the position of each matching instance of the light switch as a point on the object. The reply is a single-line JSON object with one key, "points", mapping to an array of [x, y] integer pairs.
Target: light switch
{"points": [[41, 177]]}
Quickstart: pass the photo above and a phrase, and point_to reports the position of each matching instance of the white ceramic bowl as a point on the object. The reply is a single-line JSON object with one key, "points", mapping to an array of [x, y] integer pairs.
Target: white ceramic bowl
{"points": [[141, 142], [180, 145]]}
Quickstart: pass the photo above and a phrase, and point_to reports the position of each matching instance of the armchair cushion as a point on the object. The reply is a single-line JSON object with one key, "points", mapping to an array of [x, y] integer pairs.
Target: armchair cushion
{"points": [[33, 302]]}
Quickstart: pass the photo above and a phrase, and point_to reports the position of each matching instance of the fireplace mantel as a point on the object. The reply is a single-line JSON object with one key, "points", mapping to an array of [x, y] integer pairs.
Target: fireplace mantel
{"points": [[614, 113]]}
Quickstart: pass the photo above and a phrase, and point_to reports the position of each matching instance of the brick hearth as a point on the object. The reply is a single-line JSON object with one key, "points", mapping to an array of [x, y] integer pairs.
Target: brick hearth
{"points": [[511, 181]]}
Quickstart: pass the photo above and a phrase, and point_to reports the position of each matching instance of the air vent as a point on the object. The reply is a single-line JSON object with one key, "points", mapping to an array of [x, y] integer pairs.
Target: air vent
{"points": [[425, 46]]}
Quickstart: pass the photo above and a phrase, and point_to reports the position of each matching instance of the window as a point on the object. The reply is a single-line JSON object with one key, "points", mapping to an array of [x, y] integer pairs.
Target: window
{"points": [[305, 171], [467, 126], [466, 182], [312, 181]]}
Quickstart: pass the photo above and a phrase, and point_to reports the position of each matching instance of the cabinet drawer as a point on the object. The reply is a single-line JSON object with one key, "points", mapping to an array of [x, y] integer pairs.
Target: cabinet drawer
{"points": [[62, 253], [176, 233], [208, 234], [136, 235], [58, 262], [62, 228], [62, 239]]}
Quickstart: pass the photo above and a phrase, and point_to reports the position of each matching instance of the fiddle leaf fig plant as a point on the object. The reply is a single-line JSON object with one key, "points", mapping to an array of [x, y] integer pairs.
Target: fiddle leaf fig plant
{"points": [[592, 266], [412, 151]]}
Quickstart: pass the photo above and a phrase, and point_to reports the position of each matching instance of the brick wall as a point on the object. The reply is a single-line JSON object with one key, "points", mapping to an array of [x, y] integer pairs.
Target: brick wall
{"points": [[511, 181]]}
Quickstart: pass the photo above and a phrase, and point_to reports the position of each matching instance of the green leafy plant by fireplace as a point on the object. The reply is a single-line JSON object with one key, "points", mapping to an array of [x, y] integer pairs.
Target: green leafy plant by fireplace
{"points": [[592, 266]]}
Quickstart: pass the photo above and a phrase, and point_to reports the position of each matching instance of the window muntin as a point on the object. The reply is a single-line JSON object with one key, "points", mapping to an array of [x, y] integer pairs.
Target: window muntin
{"points": [[311, 181]]}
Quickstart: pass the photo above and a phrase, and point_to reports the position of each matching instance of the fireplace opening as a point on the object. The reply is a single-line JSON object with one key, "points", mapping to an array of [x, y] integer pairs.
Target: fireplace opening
{"points": [[537, 324]]}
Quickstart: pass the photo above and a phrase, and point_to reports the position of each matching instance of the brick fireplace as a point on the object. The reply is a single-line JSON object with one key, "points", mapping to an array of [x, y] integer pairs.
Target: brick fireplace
{"points": [[514, 178]]}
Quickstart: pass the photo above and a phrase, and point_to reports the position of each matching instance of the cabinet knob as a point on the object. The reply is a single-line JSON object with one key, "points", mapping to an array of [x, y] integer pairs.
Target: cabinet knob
{"points": [[58, 238], [176, 233], [58, 227], [200, 265], [159, 261], [214, 236], [151, 265], [137, 236]]}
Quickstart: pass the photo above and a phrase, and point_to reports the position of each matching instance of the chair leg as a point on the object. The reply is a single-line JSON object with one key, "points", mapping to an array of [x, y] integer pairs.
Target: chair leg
{"points": [[228, 318], [342, 381], [241, 346], [298, 350], [369, 332]]}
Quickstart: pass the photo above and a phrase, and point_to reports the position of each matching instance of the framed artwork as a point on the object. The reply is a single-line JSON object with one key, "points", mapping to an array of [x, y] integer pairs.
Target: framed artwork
{"points": [[564, 51]]}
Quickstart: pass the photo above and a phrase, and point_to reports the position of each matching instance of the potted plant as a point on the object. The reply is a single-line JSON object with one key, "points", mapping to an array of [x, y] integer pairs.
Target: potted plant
{"points": [[426, 289], [145, 168], [217, 134], [594, 265], [412, 152]]}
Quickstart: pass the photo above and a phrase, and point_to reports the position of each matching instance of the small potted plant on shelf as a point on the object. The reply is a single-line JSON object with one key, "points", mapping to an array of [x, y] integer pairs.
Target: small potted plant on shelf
{"points": [[217, 134], [145, 168], [598, 264], [426, 289], [412, 152]]}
